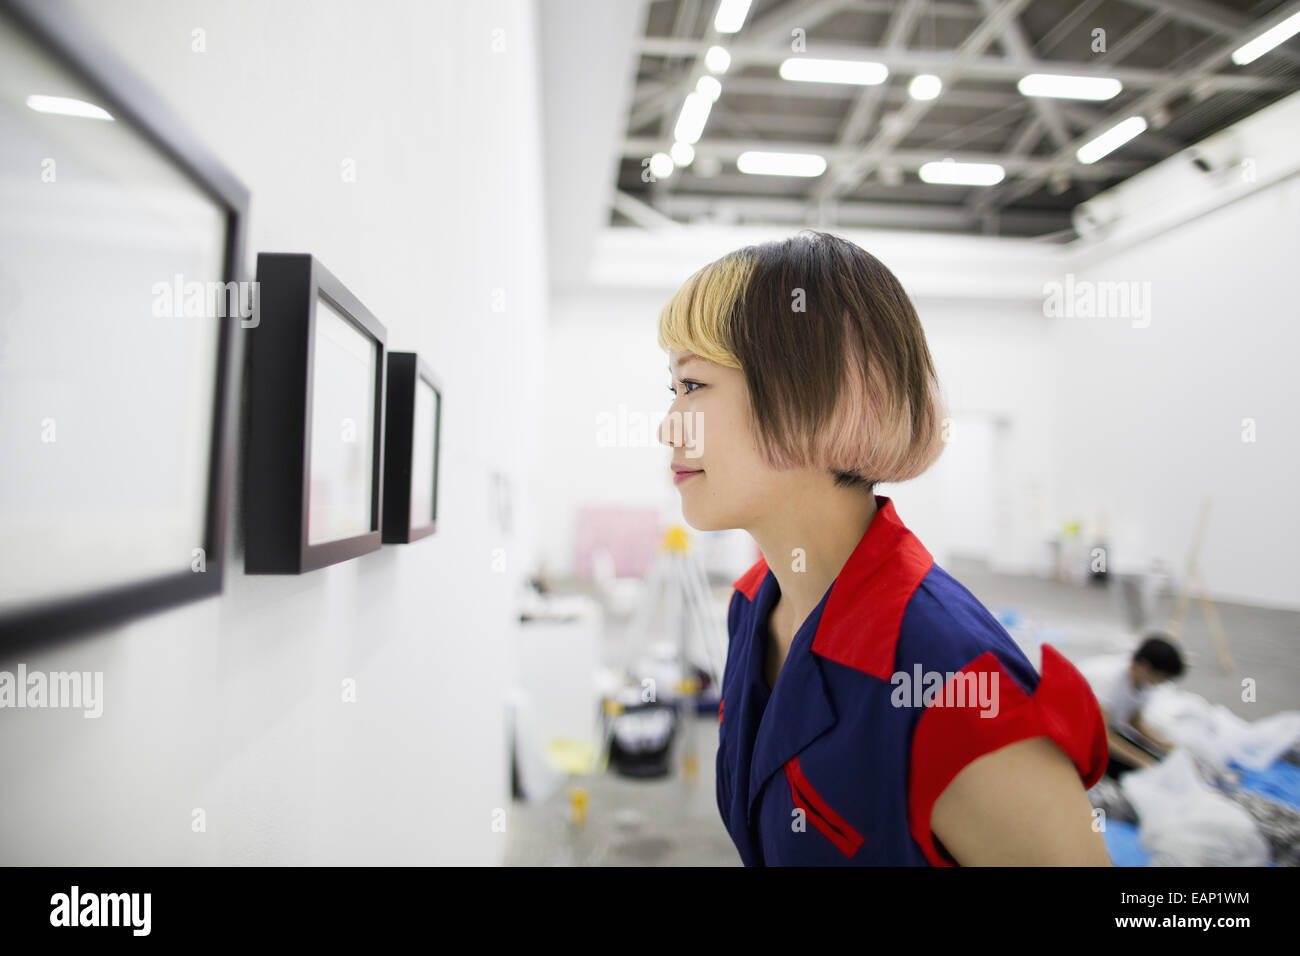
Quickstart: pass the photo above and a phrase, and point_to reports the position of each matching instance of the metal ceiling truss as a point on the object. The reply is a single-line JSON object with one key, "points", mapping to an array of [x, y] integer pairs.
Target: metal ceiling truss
{"points": [[877, 132]]}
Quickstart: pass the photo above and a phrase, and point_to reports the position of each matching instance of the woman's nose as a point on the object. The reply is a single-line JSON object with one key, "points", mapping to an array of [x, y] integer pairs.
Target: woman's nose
{"points": [[667, 434]]}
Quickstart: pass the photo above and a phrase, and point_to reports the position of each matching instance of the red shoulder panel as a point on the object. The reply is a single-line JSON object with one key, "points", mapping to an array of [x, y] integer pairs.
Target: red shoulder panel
{"points": [[860, 625], [947, 738], [748, 583]]}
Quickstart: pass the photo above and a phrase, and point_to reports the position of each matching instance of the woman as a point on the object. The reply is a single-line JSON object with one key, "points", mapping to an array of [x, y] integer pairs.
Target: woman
{"points": [[873, 711]]}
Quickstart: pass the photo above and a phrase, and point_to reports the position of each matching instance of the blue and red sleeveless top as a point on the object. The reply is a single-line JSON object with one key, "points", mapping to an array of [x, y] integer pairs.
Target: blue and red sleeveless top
{"points": [[898, 679]]}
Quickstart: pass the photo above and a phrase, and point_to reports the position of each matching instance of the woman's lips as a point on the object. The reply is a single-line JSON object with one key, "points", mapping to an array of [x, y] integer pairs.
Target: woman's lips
{"points": [[680, 476]]}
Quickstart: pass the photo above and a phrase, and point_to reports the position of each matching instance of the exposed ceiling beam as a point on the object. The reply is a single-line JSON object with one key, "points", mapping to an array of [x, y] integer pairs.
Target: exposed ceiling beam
{"points": [[775, 28], [776, 87], [1064, 160], [959, 11], [1132, 39], [737, 121], [771, 30], [1213, 19], [645, 216], [958, 136], [931, 133], [1027, 138], [883, 214], [990, 199], [1153, 142], [653, 106], [754, 124], [889, 135], [647, 88], [1052, 38], [670, 102], [767, 89], [737, 184], [1017, 48], [639, 147], [862, 113], [1023, 143], [977, 67]]}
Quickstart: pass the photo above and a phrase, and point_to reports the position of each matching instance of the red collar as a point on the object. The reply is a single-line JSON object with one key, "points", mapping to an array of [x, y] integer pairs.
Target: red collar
{"points": [[860, 623]]}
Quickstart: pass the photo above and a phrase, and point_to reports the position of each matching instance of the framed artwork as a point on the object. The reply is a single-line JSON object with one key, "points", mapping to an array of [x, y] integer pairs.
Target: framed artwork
{"points": [[123, 307], [412, 443], [314, 477]]}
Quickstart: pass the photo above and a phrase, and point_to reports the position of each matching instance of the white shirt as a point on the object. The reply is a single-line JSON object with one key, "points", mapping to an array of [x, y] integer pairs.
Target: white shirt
{"points": [[1113, 687]]}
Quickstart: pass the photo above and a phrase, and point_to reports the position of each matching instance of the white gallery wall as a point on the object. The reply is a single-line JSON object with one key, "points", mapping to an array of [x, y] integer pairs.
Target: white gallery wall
{"points": [[1195, 398], [231, 710]]}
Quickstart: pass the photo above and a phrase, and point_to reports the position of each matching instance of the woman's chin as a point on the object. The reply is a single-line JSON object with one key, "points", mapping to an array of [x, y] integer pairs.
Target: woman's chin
{"points": [[702, 521]]}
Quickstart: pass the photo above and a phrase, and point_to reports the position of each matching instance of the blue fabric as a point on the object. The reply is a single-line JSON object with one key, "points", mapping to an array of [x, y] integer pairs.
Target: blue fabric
{"points": [[1122, 842], [1280, 782]]}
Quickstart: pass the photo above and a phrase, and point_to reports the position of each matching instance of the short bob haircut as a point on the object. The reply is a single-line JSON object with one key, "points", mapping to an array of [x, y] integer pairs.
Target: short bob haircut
{"points": [[836, 363]]}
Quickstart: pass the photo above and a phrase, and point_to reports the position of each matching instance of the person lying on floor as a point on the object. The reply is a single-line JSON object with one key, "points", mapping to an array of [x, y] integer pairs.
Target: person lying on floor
{"points": [[1122, 687]]}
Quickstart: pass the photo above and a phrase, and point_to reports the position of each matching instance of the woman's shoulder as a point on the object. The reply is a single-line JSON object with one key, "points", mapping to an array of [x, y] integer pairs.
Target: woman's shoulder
{"points": [[946, 628], [947, 632]]}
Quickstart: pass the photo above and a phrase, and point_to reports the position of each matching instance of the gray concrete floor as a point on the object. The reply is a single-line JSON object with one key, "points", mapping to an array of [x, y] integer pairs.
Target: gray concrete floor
{"points": [[667, 821], [673, 821]]}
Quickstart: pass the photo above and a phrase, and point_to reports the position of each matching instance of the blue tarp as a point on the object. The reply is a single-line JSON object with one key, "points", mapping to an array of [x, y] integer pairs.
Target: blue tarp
{"points": [[1280, 782], [1122, 842]]}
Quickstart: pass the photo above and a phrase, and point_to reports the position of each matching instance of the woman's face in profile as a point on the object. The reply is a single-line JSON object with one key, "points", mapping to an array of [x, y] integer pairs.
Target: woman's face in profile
{"points": [[708, 427]]}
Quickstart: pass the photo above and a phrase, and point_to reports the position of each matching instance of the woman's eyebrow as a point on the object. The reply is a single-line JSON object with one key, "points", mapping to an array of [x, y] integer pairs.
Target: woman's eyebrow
{"points": [[682, 362]]}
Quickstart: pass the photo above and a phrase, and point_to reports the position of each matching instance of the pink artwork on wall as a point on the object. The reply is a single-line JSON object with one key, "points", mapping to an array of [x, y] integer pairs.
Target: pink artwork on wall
{"points": [[631, 536]]}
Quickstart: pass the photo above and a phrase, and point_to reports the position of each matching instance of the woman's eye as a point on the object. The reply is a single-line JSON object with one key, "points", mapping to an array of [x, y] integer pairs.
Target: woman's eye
{"points": [[688, 385]]}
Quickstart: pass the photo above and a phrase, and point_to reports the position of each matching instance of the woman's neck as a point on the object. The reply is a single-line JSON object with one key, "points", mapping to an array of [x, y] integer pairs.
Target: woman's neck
{"points": [[808, 544]]}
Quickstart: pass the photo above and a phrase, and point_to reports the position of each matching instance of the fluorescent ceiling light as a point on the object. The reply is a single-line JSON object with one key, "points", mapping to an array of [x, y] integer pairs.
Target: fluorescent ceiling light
{"points": [[717, 59], [731, 15], [1257, 47], [1111, 140], [759, 163], [682, 153], [950, 173], [924, 86], [66, 106], [691, 120], [809, 70], [661, 165], [710, 87], [1070, 87]]}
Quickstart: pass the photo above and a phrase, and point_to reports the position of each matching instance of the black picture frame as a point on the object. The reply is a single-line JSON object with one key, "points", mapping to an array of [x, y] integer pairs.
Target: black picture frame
{"points": [[405, 371], [55, 28], [281, 378]]}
